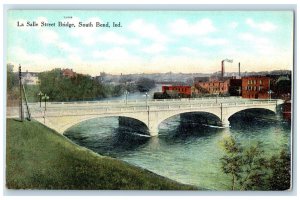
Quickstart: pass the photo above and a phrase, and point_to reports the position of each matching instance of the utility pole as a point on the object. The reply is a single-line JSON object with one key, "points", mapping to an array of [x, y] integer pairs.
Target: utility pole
{"points": [[40, 94], [45, 98], [21, 98]]}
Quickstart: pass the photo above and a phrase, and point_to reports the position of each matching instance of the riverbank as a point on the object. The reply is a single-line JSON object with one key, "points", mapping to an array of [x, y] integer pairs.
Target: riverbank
{"points": [[40, 158]]}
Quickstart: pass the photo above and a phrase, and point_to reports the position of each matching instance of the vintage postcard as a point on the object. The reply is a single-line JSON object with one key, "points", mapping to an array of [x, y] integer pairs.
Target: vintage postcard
{"points": [[149, 100]]}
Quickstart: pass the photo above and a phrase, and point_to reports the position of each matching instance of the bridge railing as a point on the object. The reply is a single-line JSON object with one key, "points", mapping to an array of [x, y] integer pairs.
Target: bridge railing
{"points": [[150, 102], [75, 109]]}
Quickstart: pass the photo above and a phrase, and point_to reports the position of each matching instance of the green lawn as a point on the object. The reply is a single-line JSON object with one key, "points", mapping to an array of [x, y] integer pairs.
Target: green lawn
{"points": [[40, 158]]}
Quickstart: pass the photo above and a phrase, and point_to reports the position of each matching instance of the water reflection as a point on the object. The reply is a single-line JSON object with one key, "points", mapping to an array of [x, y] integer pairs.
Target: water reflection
{"points": [[185, 150]]}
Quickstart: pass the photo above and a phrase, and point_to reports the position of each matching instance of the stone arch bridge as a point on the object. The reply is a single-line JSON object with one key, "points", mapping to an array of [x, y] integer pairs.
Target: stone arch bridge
{"points": [[62, 115]]}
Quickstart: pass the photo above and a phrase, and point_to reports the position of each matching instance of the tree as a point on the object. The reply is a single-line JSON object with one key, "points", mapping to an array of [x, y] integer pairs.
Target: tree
{"points": [[246, 166], [11, 78], [280, 178], [79, 87], [232, 160], [250, 170], [145, 84], [254, 168]]}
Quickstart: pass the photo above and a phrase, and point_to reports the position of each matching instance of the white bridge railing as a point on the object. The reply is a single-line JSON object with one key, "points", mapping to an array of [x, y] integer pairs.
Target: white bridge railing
{"points": [[86, 108]]}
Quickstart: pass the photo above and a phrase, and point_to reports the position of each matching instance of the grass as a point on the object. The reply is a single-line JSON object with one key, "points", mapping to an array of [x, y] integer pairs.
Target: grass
{"points": [[40, 158]]}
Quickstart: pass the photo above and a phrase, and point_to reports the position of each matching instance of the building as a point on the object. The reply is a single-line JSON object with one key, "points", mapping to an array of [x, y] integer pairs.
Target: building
{"points": [[212, 87], [256, 87], [201, 79], [68, 73], [235, 87], [182, 91], [30, 78]]}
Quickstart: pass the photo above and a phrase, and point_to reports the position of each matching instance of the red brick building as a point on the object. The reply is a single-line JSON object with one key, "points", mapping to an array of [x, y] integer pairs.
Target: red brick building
{"points": [[183, 91], [69, 73], [213, 87], [256, 87]]}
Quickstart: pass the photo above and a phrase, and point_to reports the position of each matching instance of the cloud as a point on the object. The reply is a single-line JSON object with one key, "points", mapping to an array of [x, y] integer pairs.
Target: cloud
{"points": [[233, 25], [147, 30], [48, 36], [188, 50], [85, 35], [17, 54], [264, 26], [184, 28], [214, 41], [116, 53], [154, 48], [114, 38], [260, 44]]}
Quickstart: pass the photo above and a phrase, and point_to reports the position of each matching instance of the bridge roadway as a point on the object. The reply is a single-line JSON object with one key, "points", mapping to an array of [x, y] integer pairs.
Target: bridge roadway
{"points": [[62, 115]]}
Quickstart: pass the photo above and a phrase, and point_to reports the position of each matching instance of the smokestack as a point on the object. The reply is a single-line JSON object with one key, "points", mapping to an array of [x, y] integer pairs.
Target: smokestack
{"points": [[239, 69], [222, 68], [222, 64]]}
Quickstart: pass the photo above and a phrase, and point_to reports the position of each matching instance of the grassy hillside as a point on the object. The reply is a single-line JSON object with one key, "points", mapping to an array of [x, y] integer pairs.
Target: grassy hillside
{"points": [[40, 158]]}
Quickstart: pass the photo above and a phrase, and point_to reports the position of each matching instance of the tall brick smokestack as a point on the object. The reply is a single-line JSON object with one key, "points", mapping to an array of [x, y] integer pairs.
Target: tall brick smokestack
{"points": [[239, 69], [222, 66]]}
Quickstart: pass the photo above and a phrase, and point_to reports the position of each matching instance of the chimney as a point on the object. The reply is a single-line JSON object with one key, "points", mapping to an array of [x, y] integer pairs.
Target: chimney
{"points": [[239, 69], [222, 68]]}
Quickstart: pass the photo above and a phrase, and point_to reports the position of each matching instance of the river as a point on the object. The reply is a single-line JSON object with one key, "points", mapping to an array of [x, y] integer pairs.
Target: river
{"points": [[184, 151]]}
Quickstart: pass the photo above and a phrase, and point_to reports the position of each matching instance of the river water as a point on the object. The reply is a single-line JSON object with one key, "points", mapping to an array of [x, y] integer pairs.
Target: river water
{"points": [[184, 150]]}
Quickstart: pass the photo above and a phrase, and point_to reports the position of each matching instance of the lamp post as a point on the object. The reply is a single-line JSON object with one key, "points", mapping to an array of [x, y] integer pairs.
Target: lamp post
{"points": [[217, 94], [126, 93], [270, 94], [239, 90], [146, 99], [40, 94], [45, 98]]}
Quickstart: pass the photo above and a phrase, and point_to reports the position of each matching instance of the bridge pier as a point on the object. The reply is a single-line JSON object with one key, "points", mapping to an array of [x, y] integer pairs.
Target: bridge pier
{"points": [[153, 130], [225, 123]]}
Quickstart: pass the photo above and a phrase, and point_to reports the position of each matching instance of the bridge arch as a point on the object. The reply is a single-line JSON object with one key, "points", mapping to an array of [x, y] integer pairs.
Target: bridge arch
{"points": [[268, 110], [78, 121], [230, 114], [166, 115], [215, 115], [63, 123]]}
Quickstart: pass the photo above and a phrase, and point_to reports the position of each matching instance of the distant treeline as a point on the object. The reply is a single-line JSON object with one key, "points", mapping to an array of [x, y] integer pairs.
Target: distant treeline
{"points": [[79, 87]]}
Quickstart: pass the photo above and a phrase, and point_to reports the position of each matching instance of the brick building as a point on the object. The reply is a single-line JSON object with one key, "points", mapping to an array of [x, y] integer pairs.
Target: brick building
{"points": [[183, 91], [212, 87], [256, 87]]}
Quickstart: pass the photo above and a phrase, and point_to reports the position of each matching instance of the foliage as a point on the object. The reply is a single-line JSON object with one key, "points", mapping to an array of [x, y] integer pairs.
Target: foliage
{"points": [[79, 87], [11, 78], [31, 92], [280, 178], [145, 84], [232, 160], [250, 170], [39, 158]]}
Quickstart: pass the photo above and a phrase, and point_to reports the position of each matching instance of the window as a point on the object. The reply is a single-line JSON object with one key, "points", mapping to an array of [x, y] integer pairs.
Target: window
{"points": [[254, 81], [260, 82], [254, 88]]}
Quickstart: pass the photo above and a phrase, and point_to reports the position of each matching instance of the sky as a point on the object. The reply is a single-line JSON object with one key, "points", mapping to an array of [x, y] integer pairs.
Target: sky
{"points": [[151, 41]]}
